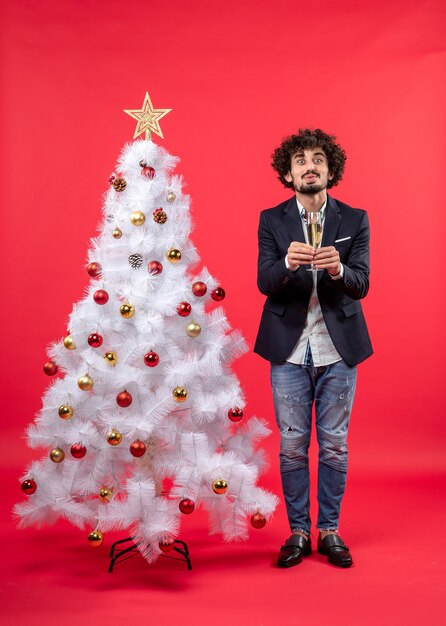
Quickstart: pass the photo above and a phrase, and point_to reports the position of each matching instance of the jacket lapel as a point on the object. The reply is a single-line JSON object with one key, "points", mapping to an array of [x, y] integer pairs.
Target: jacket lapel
{"points": [[292, 221], [332, 222]]}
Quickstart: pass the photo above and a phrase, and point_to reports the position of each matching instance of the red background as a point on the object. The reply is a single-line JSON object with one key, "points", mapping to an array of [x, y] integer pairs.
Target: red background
{"points": [[239, 76]]}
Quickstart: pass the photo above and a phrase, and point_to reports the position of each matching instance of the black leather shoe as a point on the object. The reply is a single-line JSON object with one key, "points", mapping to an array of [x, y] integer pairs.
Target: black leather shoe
{"points": [[335, 549], [293, 550]]}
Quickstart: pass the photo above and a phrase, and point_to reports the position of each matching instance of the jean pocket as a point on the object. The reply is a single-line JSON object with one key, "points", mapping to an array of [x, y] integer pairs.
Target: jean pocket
{"points": [[338, 390], [291, 398]]}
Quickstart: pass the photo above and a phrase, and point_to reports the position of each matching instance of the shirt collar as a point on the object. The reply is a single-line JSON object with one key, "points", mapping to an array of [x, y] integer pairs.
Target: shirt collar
{"points": [[302, 209]]}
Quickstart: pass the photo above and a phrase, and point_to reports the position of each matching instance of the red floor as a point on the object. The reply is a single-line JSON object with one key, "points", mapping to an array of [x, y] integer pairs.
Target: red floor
{"points": [[393, 525]]}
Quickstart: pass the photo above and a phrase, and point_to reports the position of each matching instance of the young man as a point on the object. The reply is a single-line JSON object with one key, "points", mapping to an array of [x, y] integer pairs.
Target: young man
{"points": [[313, 332]]}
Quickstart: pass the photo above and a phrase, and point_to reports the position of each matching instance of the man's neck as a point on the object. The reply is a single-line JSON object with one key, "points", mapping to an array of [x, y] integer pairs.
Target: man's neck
{"points": [[312, 202]]}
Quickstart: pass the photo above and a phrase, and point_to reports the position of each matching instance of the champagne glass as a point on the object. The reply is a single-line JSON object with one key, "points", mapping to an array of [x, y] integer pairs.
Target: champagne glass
{"points": [[314, 229]]}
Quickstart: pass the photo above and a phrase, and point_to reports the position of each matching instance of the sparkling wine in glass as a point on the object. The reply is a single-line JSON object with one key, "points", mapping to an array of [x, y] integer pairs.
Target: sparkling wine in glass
{"points": [[314, 229]]}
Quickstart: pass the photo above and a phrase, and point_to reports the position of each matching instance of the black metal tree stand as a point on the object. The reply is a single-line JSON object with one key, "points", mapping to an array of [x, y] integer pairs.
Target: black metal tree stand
{"points": [[118, 555]]}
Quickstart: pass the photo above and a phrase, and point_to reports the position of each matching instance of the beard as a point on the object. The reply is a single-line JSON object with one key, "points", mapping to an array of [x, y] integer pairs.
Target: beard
{"points": [[309, 189]]}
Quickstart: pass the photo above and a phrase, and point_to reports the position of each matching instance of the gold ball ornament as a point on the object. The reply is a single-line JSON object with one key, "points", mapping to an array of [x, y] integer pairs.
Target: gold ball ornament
{"points": [[220, 486], [173, 255], [57, 455], [68, 342], [117, 233], [114, 437], [111, 358], [95, 538], [85, 383], [170, 196], [180, 394], [193, 329], [137, 218], [66, 411], [105, 494], [127, 310]]}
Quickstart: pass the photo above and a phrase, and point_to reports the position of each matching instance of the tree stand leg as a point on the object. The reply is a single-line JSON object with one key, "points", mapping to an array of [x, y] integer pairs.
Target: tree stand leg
{"points": [[122, 554]]}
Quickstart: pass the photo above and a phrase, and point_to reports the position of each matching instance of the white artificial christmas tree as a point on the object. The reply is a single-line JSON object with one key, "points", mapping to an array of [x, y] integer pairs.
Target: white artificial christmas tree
{"points": [[145, 420]]}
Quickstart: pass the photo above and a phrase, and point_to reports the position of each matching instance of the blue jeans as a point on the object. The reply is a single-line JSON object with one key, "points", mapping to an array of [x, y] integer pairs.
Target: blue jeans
{"points": [[295, 388]]}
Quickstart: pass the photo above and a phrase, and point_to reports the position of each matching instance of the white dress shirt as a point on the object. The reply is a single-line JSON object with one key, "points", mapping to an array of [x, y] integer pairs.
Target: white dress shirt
{"points": [[315, 333]]}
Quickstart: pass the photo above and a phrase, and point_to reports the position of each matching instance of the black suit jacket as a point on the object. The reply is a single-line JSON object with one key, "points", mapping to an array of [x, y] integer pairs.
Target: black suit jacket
{"points": [[285, 309]]}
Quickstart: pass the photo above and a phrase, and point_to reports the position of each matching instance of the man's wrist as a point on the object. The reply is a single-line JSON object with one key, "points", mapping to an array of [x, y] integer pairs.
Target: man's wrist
{"points": [[339, 274], [288, 266]]}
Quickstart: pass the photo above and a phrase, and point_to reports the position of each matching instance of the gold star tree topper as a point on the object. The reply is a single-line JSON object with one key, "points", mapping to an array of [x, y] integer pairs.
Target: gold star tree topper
{"points": [[148, 118]]}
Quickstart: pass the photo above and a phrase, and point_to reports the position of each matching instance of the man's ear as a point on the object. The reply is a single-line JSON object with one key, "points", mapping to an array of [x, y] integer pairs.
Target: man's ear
{"points": [[288, 178], [330, 175]]}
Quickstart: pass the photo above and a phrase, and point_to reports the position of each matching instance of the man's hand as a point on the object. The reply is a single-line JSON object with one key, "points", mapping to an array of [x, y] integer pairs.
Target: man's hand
{"points": [[299, 254], [328, 259]]}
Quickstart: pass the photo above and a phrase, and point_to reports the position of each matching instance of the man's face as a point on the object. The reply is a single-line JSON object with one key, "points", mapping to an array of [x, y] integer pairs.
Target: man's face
{"points": [[309, 171]]}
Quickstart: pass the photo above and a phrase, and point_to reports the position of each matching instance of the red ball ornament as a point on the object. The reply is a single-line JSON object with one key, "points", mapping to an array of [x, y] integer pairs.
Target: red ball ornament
{"points": [[187, 506], [148, 172], [184, 309], [235, 414], [151, 359], [50, 368], [137, 448], [100, 296], [258, 520], [111, 179], [218, 294], [199, 289], [94, 269], [155, 267], [124, 399], [29, 486], [94, 340], [167, 544], [78, 451]]}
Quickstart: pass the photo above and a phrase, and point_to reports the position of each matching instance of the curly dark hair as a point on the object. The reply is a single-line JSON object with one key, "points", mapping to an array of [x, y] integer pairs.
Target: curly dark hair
{"points": [[305, 139]]}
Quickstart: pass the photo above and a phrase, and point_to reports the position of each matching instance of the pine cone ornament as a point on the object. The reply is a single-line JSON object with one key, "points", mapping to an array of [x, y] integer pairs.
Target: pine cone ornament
{"points": [[159, 216], [119, 184], [136, 261]]}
